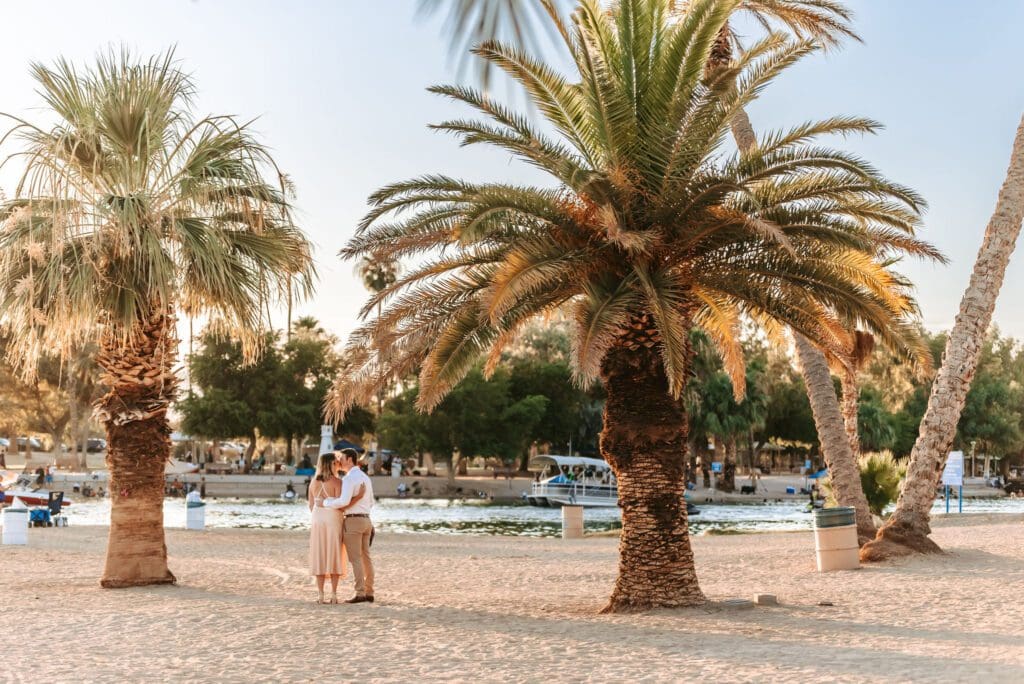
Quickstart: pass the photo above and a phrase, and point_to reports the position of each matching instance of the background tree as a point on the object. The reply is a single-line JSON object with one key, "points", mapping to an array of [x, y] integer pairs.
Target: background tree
{"points": [[716, 414], [128, 209], [278, 395], [55, 400], [992, 417], [232, 393], [479, 417], [377, 275], [308, 365]]}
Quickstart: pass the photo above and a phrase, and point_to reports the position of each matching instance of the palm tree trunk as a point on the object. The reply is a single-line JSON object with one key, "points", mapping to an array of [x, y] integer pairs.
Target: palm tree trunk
{"points": [[835, 446], [908, 529], [851, 394], [743, 131], [134, 413], [728, 483], [644, 441]]}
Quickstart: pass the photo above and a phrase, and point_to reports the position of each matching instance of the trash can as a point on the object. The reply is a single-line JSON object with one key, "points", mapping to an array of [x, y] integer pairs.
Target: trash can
{"points": [[835, 539], [195, 515], [15, 522], [572, 522]]}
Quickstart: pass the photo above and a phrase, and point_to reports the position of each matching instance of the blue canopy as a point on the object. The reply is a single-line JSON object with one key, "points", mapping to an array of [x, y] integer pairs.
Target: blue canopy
{"points": [[345, 444], [821, 473]]}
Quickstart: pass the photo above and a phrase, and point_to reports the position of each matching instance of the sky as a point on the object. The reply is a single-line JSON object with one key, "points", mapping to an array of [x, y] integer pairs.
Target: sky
{"points": [[338, 91]]}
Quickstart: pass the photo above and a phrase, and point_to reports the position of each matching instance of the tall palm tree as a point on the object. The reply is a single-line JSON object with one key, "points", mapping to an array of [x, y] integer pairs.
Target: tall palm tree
{"points": [[652, 228], [908, 528], [825, 21], [129, 209]]}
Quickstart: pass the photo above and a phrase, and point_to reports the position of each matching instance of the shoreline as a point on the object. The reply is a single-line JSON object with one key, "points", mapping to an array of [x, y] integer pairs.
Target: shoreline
{"points": [[498, 490]]}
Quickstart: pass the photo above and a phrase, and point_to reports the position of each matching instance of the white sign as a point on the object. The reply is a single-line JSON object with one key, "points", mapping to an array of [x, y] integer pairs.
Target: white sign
{"points": [[953, 473]]}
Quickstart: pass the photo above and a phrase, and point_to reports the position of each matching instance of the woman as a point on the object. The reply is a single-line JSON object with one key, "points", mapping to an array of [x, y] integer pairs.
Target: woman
{"points": [[326, 551]]}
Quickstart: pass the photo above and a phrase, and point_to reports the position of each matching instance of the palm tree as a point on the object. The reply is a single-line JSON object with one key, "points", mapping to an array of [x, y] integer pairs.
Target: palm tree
{"points": [[824, 21], [377, 275], [907, 529], [652, 228], [827, 22], [130, 209]]}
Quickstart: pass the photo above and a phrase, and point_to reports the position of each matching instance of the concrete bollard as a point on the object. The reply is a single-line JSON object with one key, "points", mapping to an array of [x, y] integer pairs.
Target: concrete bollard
{"points": [[15, 523], [572, 522], [195, 516]]}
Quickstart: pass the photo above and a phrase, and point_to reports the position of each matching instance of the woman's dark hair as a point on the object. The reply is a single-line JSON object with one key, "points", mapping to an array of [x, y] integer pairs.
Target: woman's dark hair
{"points": [[323, 467]]}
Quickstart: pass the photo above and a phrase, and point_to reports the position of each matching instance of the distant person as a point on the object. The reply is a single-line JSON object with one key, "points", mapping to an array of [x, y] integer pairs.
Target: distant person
{"points": [[202, 487], [402, 489], [3, 457], [49, 475], [40, 477]]}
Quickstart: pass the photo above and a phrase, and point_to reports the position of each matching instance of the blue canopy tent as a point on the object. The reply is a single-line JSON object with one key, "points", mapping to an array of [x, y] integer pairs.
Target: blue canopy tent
{"points": [[345, 444], [818, 475]]}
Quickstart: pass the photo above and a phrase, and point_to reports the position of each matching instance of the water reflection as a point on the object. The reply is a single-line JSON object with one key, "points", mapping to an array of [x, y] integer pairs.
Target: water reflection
{"points": [[469, 517]]}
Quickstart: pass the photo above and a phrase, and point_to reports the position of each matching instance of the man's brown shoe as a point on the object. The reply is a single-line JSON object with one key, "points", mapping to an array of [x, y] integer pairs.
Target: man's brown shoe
{"points": [[369, 598], [360, 599]]}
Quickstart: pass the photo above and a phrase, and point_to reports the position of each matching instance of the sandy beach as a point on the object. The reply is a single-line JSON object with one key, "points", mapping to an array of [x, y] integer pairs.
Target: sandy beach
{"points": [[459, 608]]}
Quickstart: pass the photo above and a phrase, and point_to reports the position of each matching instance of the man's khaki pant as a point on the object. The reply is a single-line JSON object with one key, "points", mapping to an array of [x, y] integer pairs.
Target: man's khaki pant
{"points": [[356, 537]]}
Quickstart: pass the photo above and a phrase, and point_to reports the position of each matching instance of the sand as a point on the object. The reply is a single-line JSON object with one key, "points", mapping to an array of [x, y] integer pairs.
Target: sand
{"points": [[500, 609]]}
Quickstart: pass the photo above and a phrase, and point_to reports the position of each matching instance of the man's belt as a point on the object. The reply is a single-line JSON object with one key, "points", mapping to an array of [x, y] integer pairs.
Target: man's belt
{"points": [[357, 515]]}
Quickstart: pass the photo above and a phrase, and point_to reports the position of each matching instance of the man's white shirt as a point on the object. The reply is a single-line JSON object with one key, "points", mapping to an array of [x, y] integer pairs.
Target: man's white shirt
{"points": [[349, 486]]}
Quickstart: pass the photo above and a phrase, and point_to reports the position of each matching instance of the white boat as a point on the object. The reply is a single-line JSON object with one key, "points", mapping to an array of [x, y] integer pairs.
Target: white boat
{"points": [[573, 481], [577, 481], [22, 488], [176, 467]]}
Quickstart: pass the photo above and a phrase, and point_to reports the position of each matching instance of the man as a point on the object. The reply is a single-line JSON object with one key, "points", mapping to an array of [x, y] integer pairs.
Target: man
{"points": [[358, 528]]}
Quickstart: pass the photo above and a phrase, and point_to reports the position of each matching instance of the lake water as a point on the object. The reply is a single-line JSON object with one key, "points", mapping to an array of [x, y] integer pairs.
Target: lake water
{"points": [[466, 517]]}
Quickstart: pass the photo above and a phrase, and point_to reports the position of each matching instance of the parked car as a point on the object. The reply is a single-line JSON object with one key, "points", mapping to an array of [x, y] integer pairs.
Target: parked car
{"points": [[94, 445], [33, 444]]}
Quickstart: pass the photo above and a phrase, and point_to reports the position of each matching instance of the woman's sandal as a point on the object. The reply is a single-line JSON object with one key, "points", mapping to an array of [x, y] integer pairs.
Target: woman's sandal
{"points": [[320, 598], [334, 599]]}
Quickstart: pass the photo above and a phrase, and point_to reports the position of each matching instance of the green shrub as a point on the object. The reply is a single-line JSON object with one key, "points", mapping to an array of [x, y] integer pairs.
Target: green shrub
{"points": [[880, 476]]}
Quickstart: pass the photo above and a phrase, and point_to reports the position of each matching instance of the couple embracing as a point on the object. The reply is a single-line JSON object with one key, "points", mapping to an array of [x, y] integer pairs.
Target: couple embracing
{"points": [[341, 525]]}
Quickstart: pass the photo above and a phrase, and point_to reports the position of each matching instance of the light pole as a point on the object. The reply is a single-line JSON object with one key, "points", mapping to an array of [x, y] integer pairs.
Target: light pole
{"points": [[973, 443]]}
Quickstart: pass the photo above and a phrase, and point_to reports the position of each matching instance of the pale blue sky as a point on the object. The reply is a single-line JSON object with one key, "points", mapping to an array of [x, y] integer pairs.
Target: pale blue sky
{"points": [[339, 89]]}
